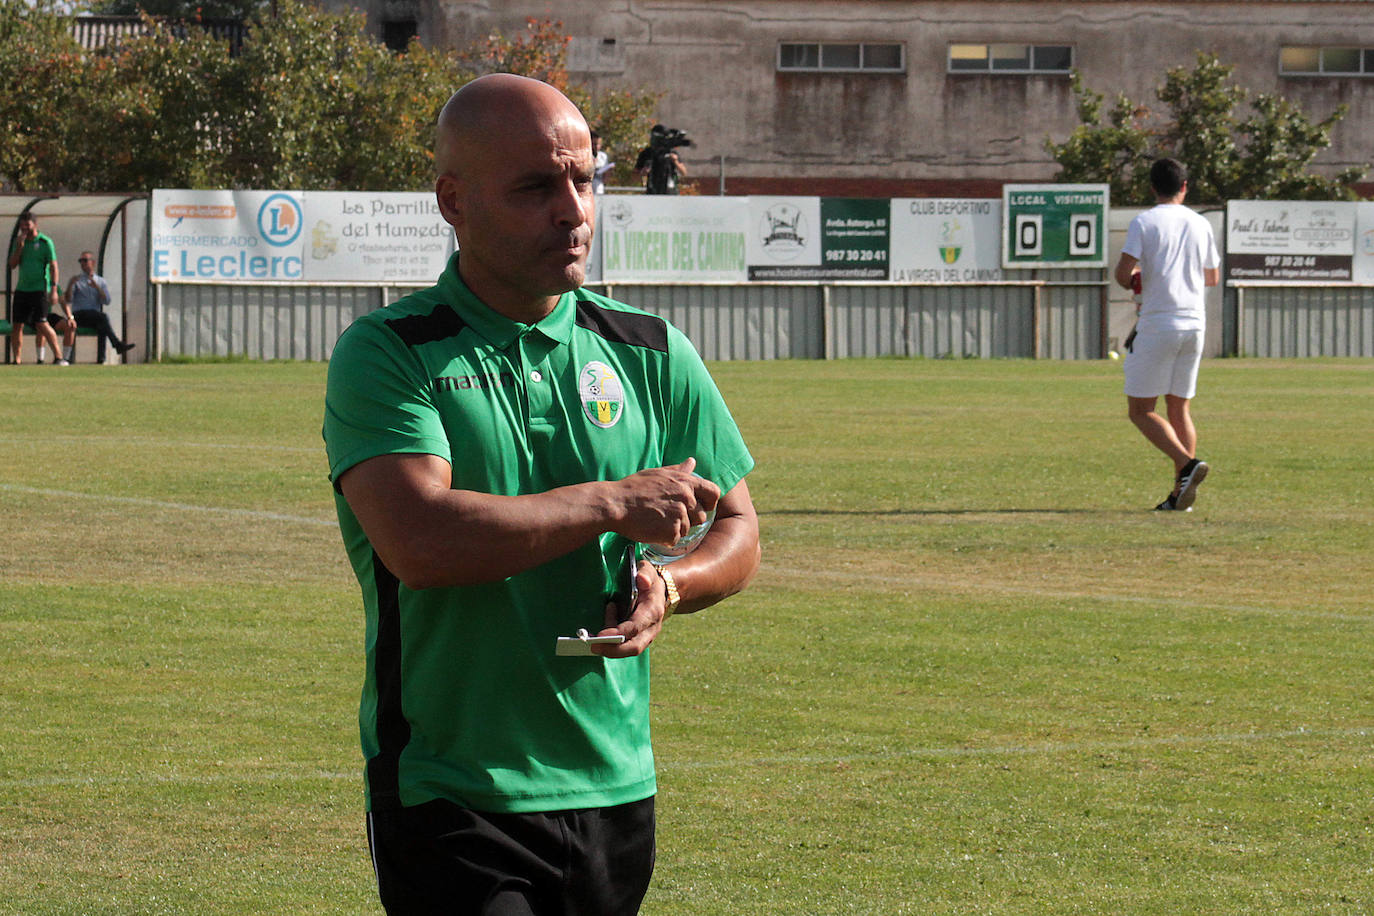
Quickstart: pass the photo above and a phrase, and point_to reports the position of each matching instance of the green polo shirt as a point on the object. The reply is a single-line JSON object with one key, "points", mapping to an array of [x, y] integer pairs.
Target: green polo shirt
{"points": [[35, 265], [463, 696]]}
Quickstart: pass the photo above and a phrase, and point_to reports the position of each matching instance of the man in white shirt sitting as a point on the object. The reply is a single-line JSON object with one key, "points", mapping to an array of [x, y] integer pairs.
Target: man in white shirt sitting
{"points": [[88, 294]]}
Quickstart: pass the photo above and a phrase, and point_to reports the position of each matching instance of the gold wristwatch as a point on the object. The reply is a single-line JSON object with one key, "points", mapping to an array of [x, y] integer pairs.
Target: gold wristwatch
{"points": [[674, 599]]}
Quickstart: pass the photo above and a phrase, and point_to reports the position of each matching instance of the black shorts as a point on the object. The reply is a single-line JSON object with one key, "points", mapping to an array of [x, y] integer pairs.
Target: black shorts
{"points": [[440, 858], [30, 307]]}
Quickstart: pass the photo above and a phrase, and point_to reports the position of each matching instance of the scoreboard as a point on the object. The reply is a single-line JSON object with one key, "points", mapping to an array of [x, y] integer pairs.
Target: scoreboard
{"points": [[1054, 225]]}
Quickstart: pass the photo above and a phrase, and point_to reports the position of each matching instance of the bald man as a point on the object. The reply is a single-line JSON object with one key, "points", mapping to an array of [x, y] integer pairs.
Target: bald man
{"points": [[499, 445]]}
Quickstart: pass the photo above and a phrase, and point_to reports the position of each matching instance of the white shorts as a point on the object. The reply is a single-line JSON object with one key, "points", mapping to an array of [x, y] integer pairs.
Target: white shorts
{"points": [[1163, 362]]}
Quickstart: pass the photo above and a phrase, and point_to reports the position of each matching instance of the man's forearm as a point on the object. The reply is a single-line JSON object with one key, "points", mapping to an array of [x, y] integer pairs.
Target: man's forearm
{"points": [[460, 537], [431, 535], [517, 533], [1125, 267]]}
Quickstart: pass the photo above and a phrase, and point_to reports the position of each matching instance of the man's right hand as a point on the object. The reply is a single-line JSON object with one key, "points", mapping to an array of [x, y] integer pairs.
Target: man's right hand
{"points": [[660, 505]]}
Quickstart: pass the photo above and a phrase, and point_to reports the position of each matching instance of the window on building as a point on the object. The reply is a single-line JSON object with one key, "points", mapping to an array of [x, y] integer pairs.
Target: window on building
{"points": [[841, 57], [1010, 58], [1052, 58], [1311, 61], [397, 33], [884, 57]]}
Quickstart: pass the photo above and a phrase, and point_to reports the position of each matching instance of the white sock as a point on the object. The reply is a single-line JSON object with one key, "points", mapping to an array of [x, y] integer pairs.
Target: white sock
{"points": [[42, 353], [71, 353]]}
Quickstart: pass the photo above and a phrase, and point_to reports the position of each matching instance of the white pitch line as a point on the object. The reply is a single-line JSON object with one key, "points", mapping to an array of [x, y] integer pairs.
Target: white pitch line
{"points": [[1048, 749], [170, 443], [179, 779], [179, 507]]}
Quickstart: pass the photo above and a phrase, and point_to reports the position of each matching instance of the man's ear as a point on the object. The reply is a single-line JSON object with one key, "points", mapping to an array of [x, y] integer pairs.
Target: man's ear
{"points": [[447, 190]]}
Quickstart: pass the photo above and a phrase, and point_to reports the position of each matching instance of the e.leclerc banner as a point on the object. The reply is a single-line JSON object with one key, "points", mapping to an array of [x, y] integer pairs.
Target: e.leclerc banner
{"points": [[265, 237]]}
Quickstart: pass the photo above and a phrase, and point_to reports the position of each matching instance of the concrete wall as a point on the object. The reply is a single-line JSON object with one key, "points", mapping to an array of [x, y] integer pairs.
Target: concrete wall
{"points": [[716, 62]]}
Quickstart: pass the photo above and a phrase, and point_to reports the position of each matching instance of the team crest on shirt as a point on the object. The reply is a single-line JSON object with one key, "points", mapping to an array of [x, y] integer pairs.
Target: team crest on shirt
{"points": [[603, 397]]}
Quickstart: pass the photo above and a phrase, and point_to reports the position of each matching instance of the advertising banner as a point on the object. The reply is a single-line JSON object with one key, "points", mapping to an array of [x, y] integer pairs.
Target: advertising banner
{"points": [[265, 237], [354, 236], [1363, 268], [946, 240], [1311, 241], [673, 239], [819, 238], [226, 237]]}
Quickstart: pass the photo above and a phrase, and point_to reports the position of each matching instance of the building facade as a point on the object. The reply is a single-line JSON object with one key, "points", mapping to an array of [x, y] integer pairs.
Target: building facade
{"points": [[889, 98]]}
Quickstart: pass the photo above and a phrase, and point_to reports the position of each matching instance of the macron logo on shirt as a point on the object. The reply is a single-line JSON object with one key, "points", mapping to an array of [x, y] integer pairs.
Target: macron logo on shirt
{"points": [[467, 382]]}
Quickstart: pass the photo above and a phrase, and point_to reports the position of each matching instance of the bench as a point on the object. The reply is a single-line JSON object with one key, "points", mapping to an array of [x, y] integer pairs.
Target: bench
{"points": [[6, 327]]}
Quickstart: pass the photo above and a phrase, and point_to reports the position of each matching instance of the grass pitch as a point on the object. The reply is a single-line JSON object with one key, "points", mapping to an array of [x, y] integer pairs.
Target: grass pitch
{"points": [[975, 674]]}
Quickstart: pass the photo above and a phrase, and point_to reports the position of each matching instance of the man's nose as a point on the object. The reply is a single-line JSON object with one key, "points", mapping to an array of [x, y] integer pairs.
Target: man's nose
{"points": [[572, 207]]}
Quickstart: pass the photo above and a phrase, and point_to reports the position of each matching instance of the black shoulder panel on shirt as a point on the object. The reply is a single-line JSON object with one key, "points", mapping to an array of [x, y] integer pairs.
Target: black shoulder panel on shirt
{"points": [[439, 324], [648, 331]]}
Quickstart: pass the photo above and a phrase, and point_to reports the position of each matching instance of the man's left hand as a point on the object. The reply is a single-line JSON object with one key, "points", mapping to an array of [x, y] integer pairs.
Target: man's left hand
{"points": [[646, 618]]}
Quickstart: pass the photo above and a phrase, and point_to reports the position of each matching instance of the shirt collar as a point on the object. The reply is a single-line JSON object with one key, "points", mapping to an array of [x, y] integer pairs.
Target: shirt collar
{"points": [[496, 328]]}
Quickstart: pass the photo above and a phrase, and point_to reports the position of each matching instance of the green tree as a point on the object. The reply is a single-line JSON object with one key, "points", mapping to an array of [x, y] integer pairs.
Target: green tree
{"points": [[1202, 128], [395, 151], [1266, 155], [151, 113], [310, 103], [140, 113], [299, 84], [37, 58], [1110, 152], [323, 106], [1280, 141]]}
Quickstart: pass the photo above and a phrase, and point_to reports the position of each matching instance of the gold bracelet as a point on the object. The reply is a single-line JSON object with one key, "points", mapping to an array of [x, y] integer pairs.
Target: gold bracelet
{"points": [[670, 587]]}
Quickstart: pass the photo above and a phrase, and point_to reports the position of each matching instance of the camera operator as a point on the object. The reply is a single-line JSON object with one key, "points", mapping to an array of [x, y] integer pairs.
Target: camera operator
{"points": [[659, 163]]}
